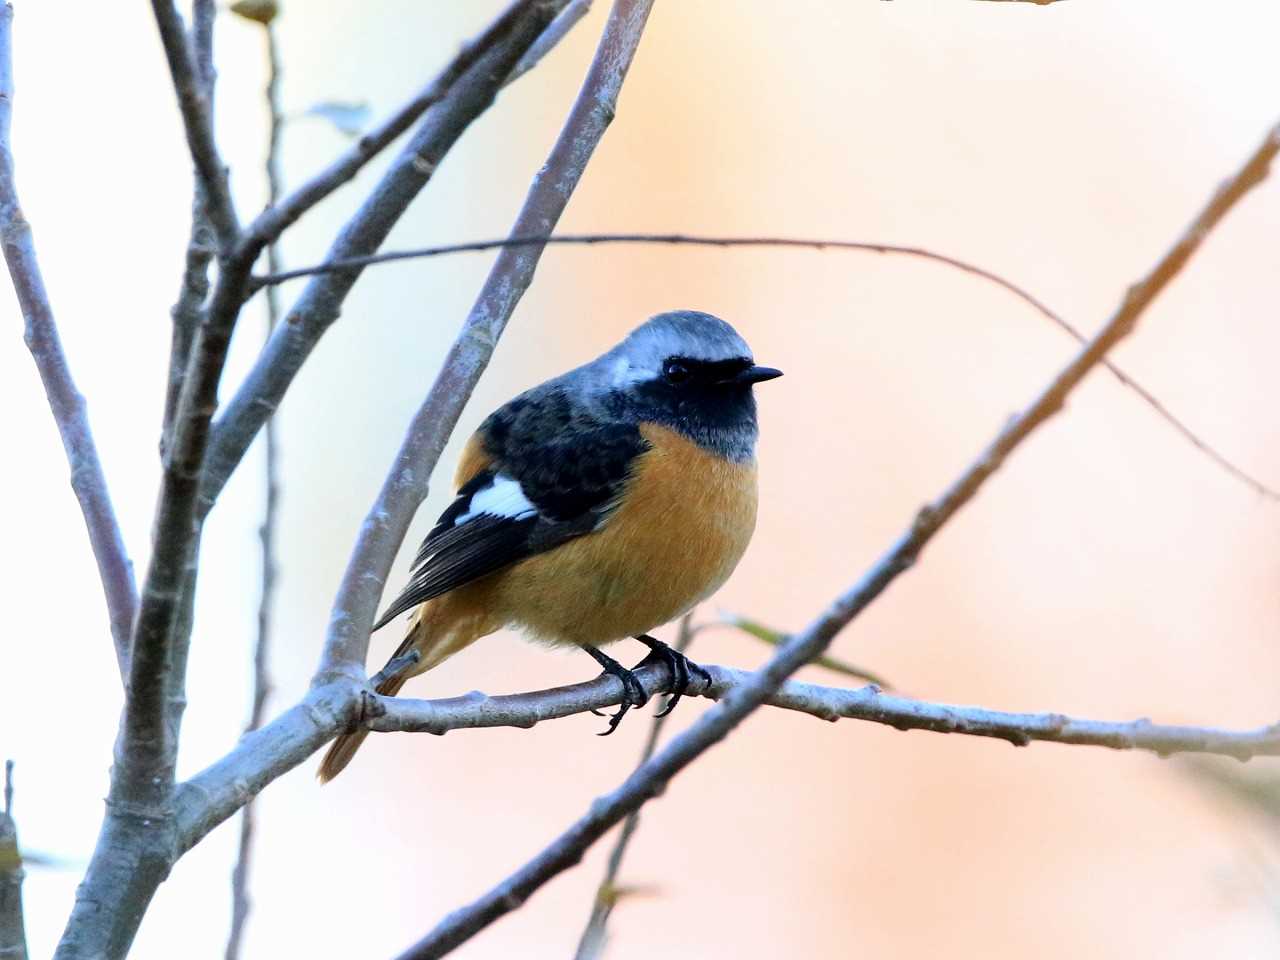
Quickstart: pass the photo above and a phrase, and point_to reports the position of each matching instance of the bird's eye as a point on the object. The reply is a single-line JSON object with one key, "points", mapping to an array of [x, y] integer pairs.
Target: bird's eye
{"points": [[675, 372]]}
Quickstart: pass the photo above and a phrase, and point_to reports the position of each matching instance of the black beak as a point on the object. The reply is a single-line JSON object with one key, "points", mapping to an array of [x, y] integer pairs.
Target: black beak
{"points": [[755, 375]]}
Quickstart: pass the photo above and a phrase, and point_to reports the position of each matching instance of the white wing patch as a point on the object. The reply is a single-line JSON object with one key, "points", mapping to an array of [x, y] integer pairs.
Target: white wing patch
{"points": [[502, 498]]}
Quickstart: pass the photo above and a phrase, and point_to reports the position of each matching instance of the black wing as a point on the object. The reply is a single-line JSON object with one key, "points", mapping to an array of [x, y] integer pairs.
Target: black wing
{"points": [[557, 473]]}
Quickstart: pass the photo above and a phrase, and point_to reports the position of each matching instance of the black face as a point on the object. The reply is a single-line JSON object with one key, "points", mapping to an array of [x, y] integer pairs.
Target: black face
{"points": [[708, 401]]}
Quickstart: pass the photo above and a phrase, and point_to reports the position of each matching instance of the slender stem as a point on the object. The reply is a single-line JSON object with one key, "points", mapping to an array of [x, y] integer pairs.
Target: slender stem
{"points": [[13, 935], [65, 402], [680, 239], [591, 943], [197, 119], [652, 778], [240, 901]]}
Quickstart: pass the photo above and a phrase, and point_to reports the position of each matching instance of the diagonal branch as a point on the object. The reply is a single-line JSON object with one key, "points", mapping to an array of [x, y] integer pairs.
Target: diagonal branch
{"points": [[406, 485], [197, 120], [65, 401], [652, 778], [466, 88], [681, 239], [592, 942]]}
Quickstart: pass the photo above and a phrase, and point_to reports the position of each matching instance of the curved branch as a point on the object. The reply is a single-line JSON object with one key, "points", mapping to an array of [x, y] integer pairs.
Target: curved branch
{"points": [[681, 239], [652, 778], [65, 401]]}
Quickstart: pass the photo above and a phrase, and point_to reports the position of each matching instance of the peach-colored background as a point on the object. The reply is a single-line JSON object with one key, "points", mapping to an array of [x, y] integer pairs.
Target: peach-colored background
{"points": [[1108, 571]]}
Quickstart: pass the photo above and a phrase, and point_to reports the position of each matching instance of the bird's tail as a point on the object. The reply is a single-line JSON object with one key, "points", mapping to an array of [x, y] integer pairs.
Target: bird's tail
{"points": [[439, 629]]}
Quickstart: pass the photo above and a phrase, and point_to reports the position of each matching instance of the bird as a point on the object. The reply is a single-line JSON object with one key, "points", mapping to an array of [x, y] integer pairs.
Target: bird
{"points": [[591, 508]]}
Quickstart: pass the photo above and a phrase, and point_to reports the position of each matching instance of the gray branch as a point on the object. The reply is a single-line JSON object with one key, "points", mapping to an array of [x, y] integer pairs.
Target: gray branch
{"points": [[460, 94], [406, 485], [652, 778], [13, 936], [197, 120], [241, 903], [65, 401]]}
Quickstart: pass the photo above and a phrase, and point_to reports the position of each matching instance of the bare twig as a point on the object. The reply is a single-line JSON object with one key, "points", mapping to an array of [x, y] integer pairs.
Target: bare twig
{"points": [[869, 703], [652, 778], [13, 936], [463, 92], [679, 239], [240, 901], [565, 21], [591, 943], [201, 244], [197, 119], [274, 220], [65, 401], [406, 485]]}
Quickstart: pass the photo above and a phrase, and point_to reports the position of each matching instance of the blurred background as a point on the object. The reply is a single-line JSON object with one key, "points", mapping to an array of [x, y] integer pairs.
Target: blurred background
{"points": [[1108, 571]]}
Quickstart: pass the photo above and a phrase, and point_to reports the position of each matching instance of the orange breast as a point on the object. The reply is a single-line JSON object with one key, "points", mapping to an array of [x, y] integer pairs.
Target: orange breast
{"points": [[683, 525]]}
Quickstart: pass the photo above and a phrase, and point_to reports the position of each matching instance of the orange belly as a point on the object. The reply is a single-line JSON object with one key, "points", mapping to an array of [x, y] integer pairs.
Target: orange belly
{"points": [[684, 523]]}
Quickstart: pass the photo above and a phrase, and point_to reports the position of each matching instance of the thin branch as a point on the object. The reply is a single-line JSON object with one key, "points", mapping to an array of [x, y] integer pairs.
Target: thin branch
{"points": [[65, 401], [869, 703], [13, 935], [406, 485], [776, 638], [467, 92], [202, 243], [652, 778], [274, 220], [679, 239], [197, 120], [591, 943], [240, 901], [565, 21]]}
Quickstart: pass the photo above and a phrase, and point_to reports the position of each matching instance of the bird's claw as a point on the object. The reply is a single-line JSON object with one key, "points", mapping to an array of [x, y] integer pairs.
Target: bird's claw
{"points": [[681, 667]]}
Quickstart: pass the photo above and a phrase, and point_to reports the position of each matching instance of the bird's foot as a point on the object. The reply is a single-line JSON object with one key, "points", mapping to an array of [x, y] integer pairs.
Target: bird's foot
{"points": [[681, 667], [633, 694]]}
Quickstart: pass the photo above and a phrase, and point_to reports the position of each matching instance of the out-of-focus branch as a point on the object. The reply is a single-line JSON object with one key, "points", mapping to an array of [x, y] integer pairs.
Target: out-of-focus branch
{"points": [[591, 943], [652, 778], [13, 936], [407, 483], [197, 120], [241, 903], [65, 401], [679, 239], [464, 91]]}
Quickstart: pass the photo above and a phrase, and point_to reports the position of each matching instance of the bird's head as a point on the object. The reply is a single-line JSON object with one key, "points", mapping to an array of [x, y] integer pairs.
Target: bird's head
{"points": [[691, 372]]}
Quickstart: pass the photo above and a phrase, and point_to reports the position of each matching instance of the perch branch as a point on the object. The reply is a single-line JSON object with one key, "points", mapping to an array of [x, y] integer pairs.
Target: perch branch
{"points": [[65, 401], [406, 485], [652, 778], [678, 239]]}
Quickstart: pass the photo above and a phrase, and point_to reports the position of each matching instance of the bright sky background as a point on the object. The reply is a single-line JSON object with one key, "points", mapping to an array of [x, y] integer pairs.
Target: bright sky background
{"points": [[1109, 571]]}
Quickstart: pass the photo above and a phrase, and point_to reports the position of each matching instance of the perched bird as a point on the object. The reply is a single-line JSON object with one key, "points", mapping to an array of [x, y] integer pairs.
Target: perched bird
{"points": [[591, 508]]}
